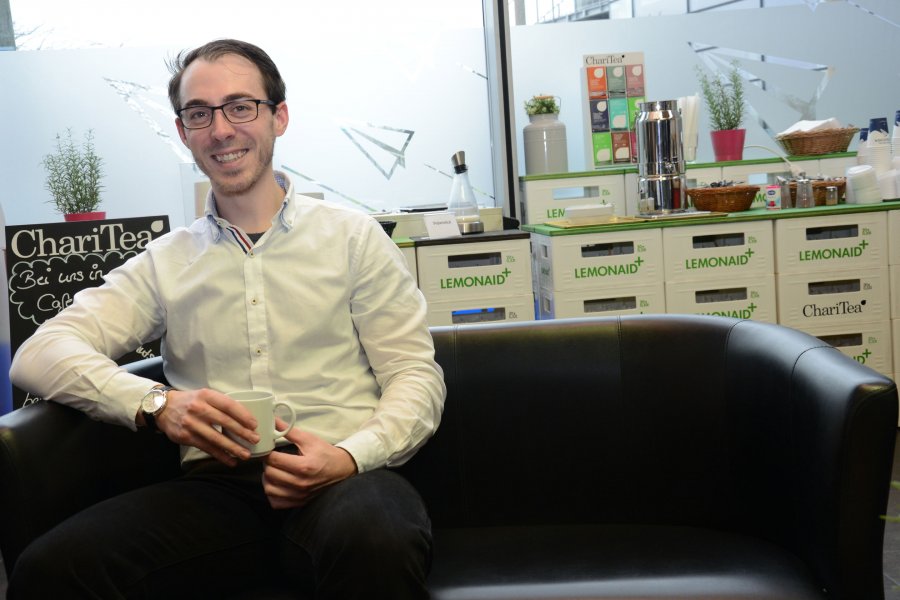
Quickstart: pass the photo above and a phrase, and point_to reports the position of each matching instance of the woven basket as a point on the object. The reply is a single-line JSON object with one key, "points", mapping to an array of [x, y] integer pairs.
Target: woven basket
{"points": [[733, 198], [819, 190], [817, 142]]}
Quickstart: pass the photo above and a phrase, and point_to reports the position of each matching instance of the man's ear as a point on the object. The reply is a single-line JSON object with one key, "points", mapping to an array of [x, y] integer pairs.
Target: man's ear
{"points": [[281, 119]]}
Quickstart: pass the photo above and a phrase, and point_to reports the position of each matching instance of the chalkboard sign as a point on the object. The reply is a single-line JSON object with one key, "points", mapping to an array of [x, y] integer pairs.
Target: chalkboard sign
{"points": [[46, 264]]}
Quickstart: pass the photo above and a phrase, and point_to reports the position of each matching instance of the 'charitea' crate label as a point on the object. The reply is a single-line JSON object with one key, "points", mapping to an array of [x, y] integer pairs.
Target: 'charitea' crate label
{"points": [[837, 309]]}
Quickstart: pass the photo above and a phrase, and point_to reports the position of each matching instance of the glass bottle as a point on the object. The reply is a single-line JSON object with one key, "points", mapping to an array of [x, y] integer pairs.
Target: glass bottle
{"points": [[462, 198], [805, 197]]}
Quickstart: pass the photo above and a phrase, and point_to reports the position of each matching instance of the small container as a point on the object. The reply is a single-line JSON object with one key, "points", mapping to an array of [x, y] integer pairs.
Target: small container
{"points": [[773, 197], [805, 198], [831, 195], [787, 200]]}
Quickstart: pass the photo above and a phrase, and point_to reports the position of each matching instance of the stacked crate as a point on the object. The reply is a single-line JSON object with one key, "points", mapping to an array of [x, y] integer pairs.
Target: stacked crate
{"points": [[724, 269], [598, 274], [476, 279], [893, 218], [546, 197], [833, 282]]}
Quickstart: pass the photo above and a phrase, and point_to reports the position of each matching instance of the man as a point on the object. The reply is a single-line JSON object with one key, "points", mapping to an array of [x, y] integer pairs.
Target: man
{"points": [[268, 291]]}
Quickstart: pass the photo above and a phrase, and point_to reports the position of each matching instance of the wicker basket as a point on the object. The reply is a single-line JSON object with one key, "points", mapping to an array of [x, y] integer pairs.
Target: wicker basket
{"points": [[819, 190], [817, 142], [733, 198]]}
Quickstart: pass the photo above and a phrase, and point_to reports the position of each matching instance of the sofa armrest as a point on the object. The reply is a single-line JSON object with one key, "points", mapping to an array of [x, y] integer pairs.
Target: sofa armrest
{"points": [[821, 453], [55, 461]]}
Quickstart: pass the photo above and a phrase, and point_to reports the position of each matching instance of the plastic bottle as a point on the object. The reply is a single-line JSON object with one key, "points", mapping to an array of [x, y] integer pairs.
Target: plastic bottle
{"points": [[462, 198], [5, 356], [863, 144]]}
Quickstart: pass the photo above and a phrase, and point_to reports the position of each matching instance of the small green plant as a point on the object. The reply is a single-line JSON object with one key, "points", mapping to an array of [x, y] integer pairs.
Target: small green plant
{"points": [[724, 97], [542, 105], [73, 174]]}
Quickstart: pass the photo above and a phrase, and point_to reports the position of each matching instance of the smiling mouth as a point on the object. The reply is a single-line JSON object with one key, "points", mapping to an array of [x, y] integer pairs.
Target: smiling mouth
{"points": [[230, 157]]}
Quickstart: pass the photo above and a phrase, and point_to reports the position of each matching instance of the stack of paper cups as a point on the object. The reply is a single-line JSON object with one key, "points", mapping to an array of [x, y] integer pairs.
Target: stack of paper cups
{"points": [[689, 107], [862, 185], [878, 146], [861, 148], [895, 137]]}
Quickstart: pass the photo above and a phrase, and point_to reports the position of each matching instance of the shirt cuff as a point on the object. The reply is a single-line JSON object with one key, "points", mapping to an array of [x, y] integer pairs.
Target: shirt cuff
{"points": [[366, 450]]}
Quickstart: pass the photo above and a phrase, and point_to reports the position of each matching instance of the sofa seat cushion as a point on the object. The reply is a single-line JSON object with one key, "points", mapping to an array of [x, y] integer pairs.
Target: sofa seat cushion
{"points": [[612, 561]]}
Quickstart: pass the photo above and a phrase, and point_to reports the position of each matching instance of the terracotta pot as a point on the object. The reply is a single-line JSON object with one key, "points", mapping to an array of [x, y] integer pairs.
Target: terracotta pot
{"points": [[87, 216], [728, 144]]}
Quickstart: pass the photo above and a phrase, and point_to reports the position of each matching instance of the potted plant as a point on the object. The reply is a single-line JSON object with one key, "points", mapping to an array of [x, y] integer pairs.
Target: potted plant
{"points": [[73, 178], [724, 97], [542, 105], [544, 137]]}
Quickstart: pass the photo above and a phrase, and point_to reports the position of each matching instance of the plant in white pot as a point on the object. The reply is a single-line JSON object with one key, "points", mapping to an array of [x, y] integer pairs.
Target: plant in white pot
{"points": [[724, 98], [544, 137], [73, 178]]}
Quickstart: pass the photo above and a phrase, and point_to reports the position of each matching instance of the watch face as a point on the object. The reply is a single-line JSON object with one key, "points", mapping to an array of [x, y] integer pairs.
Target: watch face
{"points": [[153, 401]]}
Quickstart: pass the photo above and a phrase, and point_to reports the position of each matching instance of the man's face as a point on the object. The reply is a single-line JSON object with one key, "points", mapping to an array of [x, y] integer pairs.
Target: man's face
{"points": [[235, 157]]}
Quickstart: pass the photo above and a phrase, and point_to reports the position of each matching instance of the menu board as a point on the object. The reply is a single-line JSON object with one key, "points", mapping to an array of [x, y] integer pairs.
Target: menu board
{"points": [[48, 263], [613, 86]]}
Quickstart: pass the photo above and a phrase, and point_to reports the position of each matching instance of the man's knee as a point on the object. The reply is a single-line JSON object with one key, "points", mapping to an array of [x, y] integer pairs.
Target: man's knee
{"points": [[53, 566]]}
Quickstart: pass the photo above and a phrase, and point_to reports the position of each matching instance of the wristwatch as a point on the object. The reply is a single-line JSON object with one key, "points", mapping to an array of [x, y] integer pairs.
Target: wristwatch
{"points": [[154, 403]]}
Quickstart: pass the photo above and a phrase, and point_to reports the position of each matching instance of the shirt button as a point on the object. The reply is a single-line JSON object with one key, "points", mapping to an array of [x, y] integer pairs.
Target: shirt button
{"points": [[259, 351], [250, 254], [253, 302]]}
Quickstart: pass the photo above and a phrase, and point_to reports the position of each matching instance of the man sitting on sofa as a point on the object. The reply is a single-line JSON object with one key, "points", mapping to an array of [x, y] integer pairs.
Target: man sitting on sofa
{"points": [[268, 291]]}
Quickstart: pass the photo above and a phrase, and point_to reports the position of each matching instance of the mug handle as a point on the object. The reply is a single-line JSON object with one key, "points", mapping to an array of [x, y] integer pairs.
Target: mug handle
{"points": [[281, 433]]}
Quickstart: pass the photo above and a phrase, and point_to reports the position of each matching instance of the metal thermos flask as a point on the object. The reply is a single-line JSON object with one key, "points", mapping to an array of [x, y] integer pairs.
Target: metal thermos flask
{"points": [[660, 157]]}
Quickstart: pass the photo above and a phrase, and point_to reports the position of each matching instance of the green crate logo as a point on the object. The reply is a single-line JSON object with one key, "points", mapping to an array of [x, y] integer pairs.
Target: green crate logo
{"points": [[715, 262], [740, 313], [861, 358], [474, 281], [631, 268], [834, 253]]}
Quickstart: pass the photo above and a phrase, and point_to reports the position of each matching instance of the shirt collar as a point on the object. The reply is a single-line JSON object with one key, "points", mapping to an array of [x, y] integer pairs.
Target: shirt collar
{"points": [[286, 214]]}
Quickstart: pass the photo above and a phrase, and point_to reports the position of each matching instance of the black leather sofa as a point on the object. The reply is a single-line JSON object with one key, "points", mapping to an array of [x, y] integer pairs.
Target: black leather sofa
{"points": [[653, 456]]}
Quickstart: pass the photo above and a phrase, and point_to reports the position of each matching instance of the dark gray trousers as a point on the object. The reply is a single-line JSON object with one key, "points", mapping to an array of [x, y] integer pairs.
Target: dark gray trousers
{"points": [[212, 534]]}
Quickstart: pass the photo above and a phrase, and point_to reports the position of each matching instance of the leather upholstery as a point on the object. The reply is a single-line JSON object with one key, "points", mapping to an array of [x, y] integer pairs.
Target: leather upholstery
{"points": [[651, 456]]}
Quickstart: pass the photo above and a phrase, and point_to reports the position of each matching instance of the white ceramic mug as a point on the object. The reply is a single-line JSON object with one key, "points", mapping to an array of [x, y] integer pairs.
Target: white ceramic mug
{"points": [[262, 406]]}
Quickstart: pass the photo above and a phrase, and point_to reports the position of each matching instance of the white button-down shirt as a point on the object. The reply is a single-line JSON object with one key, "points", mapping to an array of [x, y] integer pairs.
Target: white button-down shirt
{"points": [[321, 311]]}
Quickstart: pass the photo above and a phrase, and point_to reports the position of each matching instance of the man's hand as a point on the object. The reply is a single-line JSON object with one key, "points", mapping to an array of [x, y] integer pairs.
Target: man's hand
{"points": [[290, 481], [198, 417]]}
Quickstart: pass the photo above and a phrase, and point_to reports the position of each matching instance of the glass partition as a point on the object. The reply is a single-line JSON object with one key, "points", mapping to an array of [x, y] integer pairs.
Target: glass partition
{"points": [[799, 59], [381, 94]]}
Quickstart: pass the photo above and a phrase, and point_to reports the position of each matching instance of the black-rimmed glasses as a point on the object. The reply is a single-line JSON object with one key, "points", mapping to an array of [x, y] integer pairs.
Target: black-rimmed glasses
{"points": [[236, 111]]}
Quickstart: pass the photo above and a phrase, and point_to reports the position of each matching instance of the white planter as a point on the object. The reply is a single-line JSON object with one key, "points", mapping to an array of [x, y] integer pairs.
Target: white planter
{"points": [[545, 145]]}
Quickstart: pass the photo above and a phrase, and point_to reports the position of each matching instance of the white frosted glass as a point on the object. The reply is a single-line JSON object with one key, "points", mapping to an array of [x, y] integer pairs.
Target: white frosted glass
{"points": [[380, 96], [852, 50]]}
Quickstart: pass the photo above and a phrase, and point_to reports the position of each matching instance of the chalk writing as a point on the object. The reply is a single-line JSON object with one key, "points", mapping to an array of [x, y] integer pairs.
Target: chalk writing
{"points": [[49, 264]]}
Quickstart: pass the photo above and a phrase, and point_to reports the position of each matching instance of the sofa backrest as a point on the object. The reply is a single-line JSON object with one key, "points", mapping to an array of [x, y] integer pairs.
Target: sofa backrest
{"points": [[675, 419]]}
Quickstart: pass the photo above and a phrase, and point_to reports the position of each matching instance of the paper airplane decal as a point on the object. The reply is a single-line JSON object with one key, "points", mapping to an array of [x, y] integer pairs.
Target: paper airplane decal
{"points": [[383, 146]]}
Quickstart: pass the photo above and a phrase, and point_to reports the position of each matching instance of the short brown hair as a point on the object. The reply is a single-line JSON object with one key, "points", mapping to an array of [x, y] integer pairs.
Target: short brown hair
{"points": [[272, 81]]}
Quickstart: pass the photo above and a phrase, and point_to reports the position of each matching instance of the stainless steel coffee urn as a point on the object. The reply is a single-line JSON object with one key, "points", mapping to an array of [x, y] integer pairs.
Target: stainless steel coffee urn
{"points": [[660, 157]]}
